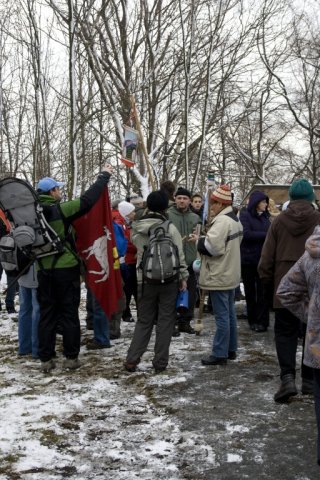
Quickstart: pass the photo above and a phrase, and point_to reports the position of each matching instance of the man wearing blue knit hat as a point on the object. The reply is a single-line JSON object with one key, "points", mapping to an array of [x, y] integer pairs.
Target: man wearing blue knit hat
{"points": [[284, 245]]}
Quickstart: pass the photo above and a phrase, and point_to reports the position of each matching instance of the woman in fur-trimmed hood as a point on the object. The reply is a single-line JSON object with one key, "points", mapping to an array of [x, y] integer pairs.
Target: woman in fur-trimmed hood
{"points": [[256, 223], [299, 292]]}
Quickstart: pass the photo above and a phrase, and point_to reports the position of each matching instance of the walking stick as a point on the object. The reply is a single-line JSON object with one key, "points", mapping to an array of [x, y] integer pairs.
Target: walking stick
{"points": [[198, 326]]}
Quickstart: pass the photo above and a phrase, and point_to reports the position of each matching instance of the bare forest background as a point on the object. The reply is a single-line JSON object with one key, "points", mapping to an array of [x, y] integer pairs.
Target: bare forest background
{"points": [[227, 86]]}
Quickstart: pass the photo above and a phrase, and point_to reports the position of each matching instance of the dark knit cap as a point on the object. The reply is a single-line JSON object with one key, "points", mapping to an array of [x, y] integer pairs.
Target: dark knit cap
{"points": [[157, 201], [183, 191], [301, 190]]}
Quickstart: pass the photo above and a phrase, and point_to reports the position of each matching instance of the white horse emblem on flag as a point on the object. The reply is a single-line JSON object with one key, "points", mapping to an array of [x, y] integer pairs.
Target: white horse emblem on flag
{"points": [[99, 249]]}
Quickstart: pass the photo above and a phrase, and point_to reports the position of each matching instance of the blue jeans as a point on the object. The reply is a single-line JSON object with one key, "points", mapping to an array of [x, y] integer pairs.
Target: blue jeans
{"points": [[100, 322], [29, 315], [225, 338]]}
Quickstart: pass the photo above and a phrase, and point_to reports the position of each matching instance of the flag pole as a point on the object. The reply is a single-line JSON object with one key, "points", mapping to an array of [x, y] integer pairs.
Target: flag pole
{"points": [[144, 148]]}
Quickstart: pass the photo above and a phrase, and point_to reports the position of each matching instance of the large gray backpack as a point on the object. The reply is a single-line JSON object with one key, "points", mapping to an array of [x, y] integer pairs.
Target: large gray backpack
{"points": [[31, 237], [160, 261]]}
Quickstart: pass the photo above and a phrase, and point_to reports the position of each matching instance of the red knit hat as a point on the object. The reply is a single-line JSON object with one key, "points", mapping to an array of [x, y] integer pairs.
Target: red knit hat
{"points": [[222, 194]]}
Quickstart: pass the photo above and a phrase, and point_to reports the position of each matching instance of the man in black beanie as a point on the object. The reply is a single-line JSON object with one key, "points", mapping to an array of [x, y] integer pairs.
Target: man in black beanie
{"points": [[186, 223], [156, 301]]}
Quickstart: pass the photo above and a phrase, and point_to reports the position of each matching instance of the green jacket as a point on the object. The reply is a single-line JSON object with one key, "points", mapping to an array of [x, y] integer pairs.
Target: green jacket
{"points": [[185, 222], [60, 217]]}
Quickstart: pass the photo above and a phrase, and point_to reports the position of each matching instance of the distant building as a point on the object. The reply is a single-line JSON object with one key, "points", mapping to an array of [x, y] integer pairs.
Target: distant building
{"points": [[279, 193]]}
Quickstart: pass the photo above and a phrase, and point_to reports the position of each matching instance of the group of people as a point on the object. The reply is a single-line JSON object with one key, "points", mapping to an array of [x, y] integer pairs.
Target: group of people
{"points": [[275, 254]]}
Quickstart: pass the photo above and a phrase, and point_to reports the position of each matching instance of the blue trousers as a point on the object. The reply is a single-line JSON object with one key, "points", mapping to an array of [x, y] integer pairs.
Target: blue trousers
{"points": [[29, 315], [225, 338], [100, 321]]}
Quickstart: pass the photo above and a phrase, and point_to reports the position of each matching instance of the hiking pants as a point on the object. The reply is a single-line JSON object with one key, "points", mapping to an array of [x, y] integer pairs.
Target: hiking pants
{"points": [[257, 307], [59, 300], [156, 306]]}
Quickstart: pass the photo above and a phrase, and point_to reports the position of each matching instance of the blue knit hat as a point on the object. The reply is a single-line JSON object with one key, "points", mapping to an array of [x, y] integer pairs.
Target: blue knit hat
{"points": [[301, 190]]}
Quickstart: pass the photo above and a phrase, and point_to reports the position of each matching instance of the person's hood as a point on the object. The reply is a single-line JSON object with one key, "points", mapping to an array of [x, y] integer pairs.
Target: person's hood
{"points": [[116, 216], [145, 223], [313, 243], [299, 217], [255, 198]]}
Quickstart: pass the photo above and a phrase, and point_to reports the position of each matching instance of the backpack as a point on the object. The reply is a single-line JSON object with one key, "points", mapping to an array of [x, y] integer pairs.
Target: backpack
{"points": [[160, 261], [30, 237]]}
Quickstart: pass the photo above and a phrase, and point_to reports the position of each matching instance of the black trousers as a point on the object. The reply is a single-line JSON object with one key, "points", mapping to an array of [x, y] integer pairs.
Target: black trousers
{"points": [[287, 330], [316, 373], [257, 307], [59, 300], [129, 277]]}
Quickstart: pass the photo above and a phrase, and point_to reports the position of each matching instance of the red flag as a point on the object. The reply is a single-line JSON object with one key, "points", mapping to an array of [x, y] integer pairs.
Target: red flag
{"points": [[96, 244]]}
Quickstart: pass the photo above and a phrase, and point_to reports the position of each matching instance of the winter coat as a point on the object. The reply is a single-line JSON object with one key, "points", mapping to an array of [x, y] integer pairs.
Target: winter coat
{"points": [[61, 215], [255, 228], [131, 252], [140, 238], [299, 292], [185, 222], [220, 250], [285, 243]]}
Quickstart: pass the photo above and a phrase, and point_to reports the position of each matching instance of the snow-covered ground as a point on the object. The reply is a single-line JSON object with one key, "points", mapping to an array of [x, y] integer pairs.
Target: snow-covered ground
{"points": [[190, 422]]}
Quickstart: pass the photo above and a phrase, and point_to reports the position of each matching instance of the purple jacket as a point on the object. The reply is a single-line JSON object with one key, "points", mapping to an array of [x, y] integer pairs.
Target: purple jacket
{"points": [[255, 228]]}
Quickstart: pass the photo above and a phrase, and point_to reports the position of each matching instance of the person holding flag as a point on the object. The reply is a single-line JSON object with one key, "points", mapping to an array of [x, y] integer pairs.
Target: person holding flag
{"points": [[59, 275]]}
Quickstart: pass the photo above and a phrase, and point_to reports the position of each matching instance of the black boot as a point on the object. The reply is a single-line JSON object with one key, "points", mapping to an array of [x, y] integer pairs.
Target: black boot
{"points": [[287, 389]]}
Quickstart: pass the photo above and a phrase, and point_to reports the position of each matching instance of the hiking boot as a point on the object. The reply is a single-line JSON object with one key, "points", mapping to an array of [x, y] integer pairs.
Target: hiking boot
{"points": [[114, 336], [93, 345], [130, 367], [232, 355], [71, 363], [186, 328], [11, 310], [212, 360], [176, 331], [307, 386], [287, 389], [46, 367]]}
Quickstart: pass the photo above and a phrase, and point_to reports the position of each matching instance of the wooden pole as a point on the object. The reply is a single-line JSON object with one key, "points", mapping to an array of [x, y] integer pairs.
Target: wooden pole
{"points": [[144, 148]]}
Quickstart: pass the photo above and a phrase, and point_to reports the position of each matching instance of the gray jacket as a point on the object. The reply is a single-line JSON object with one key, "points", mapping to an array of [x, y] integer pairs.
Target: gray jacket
{"points": [[29, 279]]}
